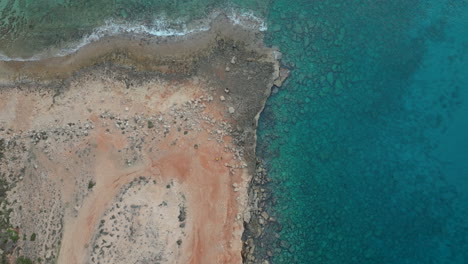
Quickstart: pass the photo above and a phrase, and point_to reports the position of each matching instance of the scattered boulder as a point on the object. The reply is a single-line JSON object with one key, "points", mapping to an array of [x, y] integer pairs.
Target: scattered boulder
{"points": [[283, 75]]}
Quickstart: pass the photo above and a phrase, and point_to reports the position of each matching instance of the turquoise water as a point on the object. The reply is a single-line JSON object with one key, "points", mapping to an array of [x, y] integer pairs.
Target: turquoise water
{"points": [[366, 143]]}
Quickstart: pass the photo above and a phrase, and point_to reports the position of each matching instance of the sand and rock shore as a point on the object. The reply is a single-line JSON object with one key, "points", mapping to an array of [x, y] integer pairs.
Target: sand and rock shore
{"points": [[137, 149]]}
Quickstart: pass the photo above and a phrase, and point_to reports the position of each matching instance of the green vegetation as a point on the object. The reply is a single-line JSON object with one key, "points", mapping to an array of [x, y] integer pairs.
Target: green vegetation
{"points": [[33, 237], [2, 147], [8, 236], [23, 260], [4, 214], [150, 124], [3, 187], [12, 234], [91, 184]]}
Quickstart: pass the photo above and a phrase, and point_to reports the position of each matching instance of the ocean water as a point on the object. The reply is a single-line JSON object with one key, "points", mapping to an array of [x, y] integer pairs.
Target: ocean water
{"points": [[34, 29], [366, 143]]}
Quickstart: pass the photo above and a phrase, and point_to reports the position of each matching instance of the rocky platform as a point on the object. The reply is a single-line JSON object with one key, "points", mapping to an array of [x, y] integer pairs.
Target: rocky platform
{"points": [[135, 149]]}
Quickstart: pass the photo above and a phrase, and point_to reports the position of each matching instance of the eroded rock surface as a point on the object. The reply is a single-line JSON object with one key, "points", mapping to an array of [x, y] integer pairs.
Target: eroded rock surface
{"points": [[135, 150]]}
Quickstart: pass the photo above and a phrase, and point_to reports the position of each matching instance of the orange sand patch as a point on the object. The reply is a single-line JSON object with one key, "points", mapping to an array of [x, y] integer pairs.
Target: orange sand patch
{"points": [[122, 151], [192, 161]]}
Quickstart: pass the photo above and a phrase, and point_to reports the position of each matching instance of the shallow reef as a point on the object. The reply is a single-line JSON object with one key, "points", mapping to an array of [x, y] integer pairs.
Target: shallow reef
{"points": [[355, 141]]}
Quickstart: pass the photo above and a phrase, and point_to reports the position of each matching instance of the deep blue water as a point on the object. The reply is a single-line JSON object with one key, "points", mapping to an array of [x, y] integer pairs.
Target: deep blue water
{"points": [[367, 143]]}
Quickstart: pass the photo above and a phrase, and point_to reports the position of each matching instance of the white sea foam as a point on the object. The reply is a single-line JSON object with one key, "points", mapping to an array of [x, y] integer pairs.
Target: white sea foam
{"points": [[160, 28], [6, 58], [247, 20]]}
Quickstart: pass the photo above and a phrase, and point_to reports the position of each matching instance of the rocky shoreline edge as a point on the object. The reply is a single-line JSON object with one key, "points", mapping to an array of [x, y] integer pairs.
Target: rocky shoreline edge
{"points": [[241, 50], [260, 237]]}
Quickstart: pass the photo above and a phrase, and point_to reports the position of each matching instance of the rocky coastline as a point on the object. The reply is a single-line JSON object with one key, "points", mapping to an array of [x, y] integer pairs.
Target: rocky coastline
{"points": [[195, 94]]}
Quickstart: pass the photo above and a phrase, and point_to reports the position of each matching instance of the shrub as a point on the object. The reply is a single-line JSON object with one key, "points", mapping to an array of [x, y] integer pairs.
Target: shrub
{"points": [[91, 185], [23, 260]]}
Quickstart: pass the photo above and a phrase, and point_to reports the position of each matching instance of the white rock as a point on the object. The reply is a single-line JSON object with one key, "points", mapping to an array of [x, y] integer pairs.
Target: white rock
{"points": [[231, 110], [277, 55], [222, 98], [247, 216]]}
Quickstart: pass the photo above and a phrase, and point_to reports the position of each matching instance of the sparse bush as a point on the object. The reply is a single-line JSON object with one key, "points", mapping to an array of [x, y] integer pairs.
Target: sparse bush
{"points": [[91, 185], [13, 235], [2, 147], [23, 260]]}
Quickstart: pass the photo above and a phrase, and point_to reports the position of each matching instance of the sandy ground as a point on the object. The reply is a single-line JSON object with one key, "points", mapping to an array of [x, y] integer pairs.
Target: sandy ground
{"points": [[123, 157], [179, 177]]}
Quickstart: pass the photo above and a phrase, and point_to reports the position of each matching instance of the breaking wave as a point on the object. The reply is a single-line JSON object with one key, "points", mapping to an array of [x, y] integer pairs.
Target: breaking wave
{"points": [[159, 28]]}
